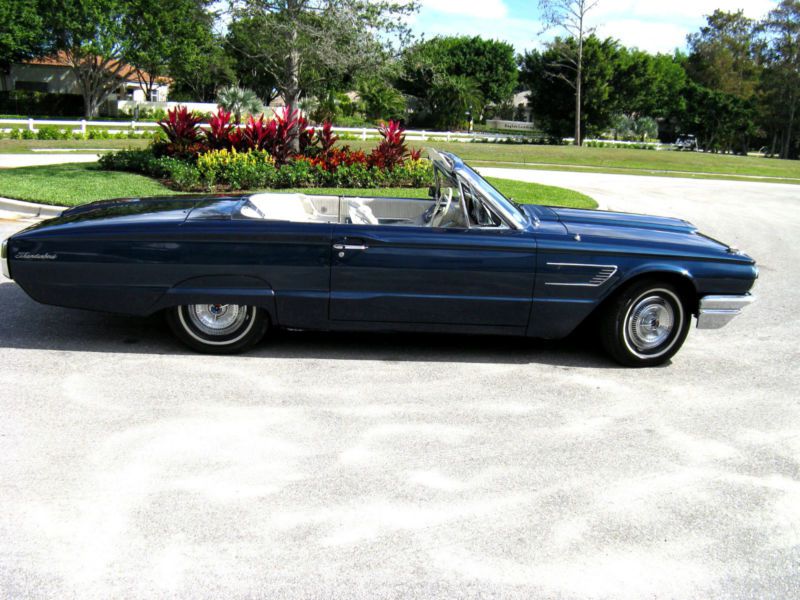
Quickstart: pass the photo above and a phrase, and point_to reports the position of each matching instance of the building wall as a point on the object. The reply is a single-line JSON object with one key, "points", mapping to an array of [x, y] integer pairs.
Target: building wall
{"points": [[43, 78]]}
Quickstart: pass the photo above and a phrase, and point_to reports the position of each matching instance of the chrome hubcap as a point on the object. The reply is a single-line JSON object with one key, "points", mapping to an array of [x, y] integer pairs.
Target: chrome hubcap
{"points": [[651, 322], [217, 319]]}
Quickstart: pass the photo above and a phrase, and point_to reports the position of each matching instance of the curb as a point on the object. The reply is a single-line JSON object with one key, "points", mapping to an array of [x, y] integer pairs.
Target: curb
{"points": [[30, 209]]}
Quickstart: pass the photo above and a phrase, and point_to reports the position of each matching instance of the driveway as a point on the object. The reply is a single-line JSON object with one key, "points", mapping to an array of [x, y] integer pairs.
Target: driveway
{"points": [[345, 466]]}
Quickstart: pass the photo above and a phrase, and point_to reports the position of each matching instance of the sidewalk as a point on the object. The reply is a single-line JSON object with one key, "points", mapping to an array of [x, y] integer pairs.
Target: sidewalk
{"points": [[17, 210], [12, 161]]}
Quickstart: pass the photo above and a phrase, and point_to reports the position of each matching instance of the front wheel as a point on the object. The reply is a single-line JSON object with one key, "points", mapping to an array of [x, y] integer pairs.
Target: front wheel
{"points": [[218, 328], [645, 325]]}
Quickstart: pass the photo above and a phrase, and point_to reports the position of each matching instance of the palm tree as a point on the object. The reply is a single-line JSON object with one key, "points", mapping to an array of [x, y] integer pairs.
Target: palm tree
{"points": [[381, 100], [453, 96], [239, 101]]}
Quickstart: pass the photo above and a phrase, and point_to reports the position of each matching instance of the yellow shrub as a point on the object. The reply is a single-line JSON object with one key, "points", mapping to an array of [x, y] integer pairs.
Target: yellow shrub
{"points": [[216, 160]]}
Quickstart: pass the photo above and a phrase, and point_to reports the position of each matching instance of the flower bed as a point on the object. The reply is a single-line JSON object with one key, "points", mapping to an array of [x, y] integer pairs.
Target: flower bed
{"points": [[229, 157]]}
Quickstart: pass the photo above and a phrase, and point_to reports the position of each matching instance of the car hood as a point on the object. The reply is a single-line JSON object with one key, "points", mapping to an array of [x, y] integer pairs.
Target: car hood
{"points": [[640, 234], [577, 219]]}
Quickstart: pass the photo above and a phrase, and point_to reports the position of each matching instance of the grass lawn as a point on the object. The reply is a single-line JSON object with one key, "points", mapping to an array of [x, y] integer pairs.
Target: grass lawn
{"points": [[26, 146], [606, 160], [78, 183], [618, 160]]}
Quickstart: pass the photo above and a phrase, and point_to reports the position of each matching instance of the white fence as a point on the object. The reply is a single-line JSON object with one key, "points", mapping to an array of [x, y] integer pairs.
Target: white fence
{"points": [[129, 106], [363, 133]]}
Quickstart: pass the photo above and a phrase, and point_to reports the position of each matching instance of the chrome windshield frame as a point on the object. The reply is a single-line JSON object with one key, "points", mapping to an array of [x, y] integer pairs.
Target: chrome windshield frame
{"points": [[454, 168]]}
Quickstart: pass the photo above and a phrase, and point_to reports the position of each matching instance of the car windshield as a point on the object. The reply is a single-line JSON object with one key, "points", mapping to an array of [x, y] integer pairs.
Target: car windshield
{"points": [[510, 209]]}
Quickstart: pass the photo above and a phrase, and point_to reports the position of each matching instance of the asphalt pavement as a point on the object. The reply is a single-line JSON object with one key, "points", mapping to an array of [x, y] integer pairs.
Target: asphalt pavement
{"points": [[366, 466]]}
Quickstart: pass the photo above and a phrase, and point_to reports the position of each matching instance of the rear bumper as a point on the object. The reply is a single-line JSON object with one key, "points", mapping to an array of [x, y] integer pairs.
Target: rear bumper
{"points": [[718, 311], [4, 258]]}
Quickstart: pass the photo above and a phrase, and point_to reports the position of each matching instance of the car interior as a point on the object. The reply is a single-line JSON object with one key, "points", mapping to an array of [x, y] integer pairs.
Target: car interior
{"points": [[449, 206]]}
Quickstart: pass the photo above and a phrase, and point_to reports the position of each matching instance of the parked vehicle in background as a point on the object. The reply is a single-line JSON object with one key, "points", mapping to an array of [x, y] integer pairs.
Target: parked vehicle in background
{"points": [[226, 269], [686, 142]]}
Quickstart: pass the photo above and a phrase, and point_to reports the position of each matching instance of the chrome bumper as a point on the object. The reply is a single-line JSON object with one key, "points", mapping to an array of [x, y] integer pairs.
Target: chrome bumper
{"points": [[717, 311], [4, 258]]}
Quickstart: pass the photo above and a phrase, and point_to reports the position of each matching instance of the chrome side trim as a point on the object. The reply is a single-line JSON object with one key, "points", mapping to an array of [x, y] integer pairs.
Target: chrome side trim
{"points": [[4, 258], [604, 273], [717, 311]]}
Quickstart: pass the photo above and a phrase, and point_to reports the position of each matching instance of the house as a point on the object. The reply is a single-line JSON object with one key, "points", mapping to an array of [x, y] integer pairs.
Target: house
{"points": [[53, 74]]}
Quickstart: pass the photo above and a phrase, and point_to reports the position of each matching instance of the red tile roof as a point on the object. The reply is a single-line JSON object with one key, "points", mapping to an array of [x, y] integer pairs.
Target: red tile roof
{"points": [[126, 72]]}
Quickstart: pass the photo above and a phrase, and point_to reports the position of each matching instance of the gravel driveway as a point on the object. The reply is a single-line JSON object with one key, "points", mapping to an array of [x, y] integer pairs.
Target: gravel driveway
{"points": [[342, 466]]}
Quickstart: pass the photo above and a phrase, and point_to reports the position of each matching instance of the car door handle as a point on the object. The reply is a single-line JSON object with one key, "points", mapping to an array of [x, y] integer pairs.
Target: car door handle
{"points": [[350, 246]]}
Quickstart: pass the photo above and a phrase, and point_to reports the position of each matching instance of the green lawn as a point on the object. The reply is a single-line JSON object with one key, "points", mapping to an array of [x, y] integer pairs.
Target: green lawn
{"points": [[618, 160], [78, 183], [606, 160], [25, 146]]}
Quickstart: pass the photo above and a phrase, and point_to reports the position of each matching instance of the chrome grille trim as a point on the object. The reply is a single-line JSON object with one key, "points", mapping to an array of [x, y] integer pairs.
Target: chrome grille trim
{"points": [[604, 273]]}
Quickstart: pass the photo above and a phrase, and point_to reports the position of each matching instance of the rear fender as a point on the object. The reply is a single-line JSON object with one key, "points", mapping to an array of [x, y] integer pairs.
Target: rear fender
{"points": [[220, 289]]}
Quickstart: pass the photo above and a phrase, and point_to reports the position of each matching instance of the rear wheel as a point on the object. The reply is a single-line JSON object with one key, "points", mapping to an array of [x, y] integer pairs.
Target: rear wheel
{"points": [[218, 328], [645, 325]]}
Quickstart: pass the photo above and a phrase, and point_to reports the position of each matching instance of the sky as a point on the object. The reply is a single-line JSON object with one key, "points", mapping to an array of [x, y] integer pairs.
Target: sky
{"points": [[652, 25]]}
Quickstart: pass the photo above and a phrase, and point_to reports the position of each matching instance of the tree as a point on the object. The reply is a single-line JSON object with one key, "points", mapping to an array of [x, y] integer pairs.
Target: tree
{"points": [[724, 54], [239, 101], [381, 100], [90, 34], [321, 37], [570, 15], [722, 121], [244, 42], [160, 33], [452, 97], [199, 71], [647, 84], [725, 70], [21, 34], [552, 91], [781, 81], [481, 71]]}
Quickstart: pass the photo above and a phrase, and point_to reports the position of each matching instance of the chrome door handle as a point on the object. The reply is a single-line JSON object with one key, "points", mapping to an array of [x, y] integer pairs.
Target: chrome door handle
{"points": [[350, 246]]}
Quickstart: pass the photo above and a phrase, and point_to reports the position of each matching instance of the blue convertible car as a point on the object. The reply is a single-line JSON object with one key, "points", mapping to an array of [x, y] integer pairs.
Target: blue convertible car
{"points": [[226, 269]]}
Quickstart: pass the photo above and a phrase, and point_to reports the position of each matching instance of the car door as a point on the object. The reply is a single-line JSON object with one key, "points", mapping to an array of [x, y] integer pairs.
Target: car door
{"points": [[430, 275]]}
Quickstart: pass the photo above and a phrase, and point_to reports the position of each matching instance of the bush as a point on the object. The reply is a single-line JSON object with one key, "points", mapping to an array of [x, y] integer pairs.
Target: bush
{"points": [[52, 133], [184, 175], [239, 170], [95, 133], [37, 104], [258, 156]]}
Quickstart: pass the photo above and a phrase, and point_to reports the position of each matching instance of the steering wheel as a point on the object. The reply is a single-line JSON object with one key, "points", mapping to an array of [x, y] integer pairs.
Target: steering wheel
{"points": [[446, 202]]}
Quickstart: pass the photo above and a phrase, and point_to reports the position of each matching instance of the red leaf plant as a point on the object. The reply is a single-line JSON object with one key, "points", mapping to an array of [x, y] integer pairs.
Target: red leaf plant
{"points": [[220, 126], [337, 157], [392, 151], [307, 138], [286, 128], [182, 129], [236, 139], [259, 134], [326, 138]]}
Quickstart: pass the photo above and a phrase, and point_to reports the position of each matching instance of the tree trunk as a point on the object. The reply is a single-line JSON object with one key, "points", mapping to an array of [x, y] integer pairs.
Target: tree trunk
{"points": [[579, 91], [787, 140], [292, 97], [292, 71]]}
